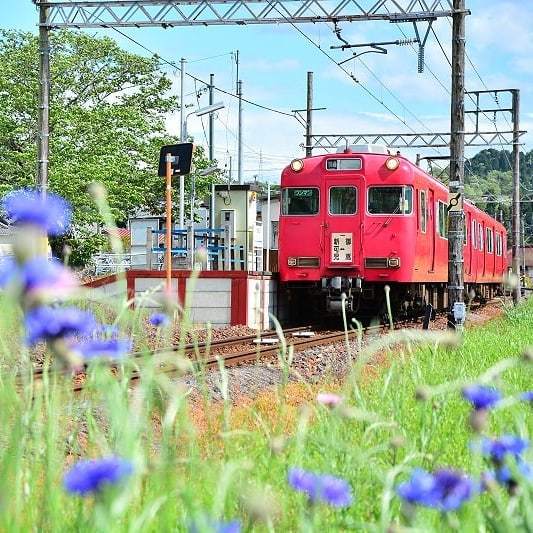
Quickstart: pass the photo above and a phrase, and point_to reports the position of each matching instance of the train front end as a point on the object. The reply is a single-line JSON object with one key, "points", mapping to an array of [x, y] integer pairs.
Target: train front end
{"points": [[325, 223]]}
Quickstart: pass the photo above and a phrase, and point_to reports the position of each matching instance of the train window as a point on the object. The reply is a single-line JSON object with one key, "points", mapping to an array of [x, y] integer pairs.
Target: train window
{"points": [[490, 243], [342, 200], [498, 244], [480, 234], [344, 164], [300, 201], [390, 200], [443, 219], [423, 211], [473, 235]]}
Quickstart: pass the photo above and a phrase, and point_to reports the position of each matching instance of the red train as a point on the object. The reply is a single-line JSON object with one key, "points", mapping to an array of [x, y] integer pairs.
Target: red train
{"points": [[355, 221]]}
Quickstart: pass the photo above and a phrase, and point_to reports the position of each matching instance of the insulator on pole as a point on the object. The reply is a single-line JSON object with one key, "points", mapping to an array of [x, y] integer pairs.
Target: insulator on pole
{"points": [[421, 53]]}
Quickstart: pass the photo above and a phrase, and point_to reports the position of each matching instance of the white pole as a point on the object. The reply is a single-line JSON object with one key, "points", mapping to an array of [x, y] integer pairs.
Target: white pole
{"points": [[267, 263]]}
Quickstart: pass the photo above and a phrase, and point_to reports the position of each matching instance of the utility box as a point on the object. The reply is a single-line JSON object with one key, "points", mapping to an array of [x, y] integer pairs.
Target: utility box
{"points": [[227, 221], [236, 208]]}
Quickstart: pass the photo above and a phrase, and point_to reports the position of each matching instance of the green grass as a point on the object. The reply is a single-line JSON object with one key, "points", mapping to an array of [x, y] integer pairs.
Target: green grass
{"points": [[183, 473]]}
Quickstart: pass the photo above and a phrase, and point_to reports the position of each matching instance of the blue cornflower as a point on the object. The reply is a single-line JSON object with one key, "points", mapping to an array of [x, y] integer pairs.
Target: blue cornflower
{"points": [[106, 348], [527, 396], [159, 320], [481, 396], [335, 491], [418, 489], [497, 449], [48, 323], [217, 527], [328, 489], [43, 275], [90, 476], [506, 477], [26, 206], [445, 490]]}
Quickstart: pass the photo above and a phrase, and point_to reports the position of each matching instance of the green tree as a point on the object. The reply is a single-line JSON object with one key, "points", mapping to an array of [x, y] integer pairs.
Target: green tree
{"points": [[107, 124]]}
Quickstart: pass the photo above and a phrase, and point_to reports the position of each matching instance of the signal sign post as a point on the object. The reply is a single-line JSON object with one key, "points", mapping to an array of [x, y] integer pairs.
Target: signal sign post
{"points": [[174, 160]]}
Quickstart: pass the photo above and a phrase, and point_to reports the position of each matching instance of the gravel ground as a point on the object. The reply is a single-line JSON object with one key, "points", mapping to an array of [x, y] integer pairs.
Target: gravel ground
{"points": [[310, 365]]}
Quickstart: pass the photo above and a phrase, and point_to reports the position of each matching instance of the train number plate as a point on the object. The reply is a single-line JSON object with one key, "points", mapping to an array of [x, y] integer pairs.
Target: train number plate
{"points": [[341, 247]]}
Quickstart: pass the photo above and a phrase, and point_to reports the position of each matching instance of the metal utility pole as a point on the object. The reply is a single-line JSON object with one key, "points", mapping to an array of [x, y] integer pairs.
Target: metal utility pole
{"points": [[456, 218], [239, 147], [309, 116], [182, 139], [516, 194], [211, 118], [43, 139]]}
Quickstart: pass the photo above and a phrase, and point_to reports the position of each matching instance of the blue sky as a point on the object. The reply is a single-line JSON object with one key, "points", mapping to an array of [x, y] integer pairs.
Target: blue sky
{"points": [[275, 59]]}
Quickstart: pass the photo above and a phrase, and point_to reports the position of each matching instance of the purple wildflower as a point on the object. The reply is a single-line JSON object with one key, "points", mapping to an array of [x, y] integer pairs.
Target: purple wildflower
{"points": [[216, 527], [527, 396], [48, 323], [26, 206], [90, 476], [105, 348], [497, 449], [482, 397], [304, 481], [159, 320], [445, 490], [506, 476], [41, 275], [328, 489], [335, 491]]}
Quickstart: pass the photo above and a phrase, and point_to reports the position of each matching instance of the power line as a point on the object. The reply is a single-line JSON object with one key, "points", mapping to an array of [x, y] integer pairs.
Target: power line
{"points": [[349, 74], [175, 66]]}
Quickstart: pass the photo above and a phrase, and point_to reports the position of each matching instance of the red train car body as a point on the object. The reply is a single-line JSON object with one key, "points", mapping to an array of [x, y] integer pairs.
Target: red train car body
{"points": [[355, 221]]}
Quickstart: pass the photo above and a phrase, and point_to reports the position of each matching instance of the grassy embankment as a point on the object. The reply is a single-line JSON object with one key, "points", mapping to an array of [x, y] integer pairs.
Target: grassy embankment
{"points": [[237, 467]]}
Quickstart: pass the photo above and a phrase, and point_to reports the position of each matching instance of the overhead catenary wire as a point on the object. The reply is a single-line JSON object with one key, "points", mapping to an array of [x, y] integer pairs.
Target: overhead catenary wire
{"points": [[350, 75], [199, 80]]}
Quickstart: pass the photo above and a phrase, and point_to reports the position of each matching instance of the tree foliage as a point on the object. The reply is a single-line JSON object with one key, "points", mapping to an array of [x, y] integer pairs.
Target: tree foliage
{"points": [[107, 124]]}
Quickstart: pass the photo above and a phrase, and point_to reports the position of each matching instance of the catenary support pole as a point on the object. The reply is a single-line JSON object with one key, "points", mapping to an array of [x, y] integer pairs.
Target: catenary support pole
{"points": [[43, 140], [309, 116], [211, 118], [239, 147], [183, 134], [516, 195], [456, 219]]}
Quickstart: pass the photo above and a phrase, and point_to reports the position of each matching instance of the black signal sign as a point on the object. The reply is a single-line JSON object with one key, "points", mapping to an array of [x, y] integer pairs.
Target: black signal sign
{"points": [[181, 159]]}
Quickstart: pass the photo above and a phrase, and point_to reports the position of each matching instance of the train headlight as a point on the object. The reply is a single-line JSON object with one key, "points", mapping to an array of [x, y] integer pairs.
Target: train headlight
{"points": [[393, 262], [297, 165], [291, 261], [392, 163]]}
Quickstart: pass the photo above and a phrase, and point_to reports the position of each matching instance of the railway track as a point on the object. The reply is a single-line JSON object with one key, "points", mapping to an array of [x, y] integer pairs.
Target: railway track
{"points": [[209, 354]]}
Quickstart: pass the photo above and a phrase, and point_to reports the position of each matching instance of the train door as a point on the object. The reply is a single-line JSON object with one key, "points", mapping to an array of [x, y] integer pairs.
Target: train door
{"points": [[469, 239], [342, 224], [432, 228], [483, 248]]}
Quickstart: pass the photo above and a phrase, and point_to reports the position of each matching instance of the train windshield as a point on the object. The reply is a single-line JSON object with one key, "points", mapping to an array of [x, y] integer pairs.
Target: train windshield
{"points": [[300, 201], [342, 200], [390, 200]]}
